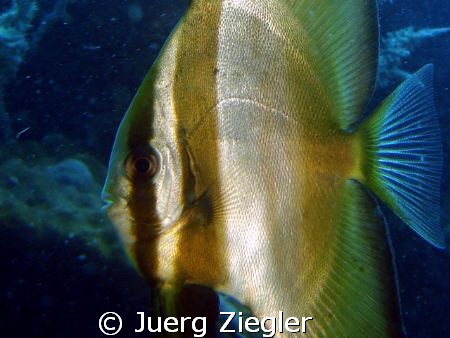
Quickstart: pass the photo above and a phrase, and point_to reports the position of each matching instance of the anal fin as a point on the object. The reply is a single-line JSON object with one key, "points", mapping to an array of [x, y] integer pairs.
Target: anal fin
{"points": [[359, 297]]}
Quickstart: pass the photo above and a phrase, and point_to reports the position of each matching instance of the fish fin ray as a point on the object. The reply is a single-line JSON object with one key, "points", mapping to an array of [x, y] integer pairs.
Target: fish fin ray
{"points": [[344, 40], [403, 155], [359, 294]]}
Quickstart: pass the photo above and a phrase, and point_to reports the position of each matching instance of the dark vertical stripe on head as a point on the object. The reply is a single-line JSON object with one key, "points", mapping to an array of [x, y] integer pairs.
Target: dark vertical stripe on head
{"points": [[142, 201], [199, 256]]}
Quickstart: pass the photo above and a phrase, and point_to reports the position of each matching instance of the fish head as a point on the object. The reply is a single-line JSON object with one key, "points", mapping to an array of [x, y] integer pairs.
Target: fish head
{"points": [[162, 188], [144, 192]]}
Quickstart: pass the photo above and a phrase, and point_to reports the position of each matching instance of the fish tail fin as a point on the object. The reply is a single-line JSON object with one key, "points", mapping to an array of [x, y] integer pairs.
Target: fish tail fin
{"points": [[401, 156]]}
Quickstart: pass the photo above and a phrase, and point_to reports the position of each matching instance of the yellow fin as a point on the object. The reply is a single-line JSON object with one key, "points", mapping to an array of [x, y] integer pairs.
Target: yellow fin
{"points": [[359, 296], [343, 38]]}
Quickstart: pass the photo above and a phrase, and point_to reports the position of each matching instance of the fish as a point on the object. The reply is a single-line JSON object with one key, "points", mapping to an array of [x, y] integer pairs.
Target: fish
{"points": [[247, 164]]}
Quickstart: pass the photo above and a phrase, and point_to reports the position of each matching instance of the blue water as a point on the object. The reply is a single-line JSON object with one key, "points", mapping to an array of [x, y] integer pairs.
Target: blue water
{"points": [[80, 65]]}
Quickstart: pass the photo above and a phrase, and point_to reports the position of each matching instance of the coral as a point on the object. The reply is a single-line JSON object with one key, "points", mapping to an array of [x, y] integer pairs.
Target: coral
{"points": [[15, 42], [62, 197], [396, 47], [14, 25]]}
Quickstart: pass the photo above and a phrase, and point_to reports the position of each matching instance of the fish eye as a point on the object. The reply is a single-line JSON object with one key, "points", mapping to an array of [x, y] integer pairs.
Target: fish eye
{"points": [[142, 164]]}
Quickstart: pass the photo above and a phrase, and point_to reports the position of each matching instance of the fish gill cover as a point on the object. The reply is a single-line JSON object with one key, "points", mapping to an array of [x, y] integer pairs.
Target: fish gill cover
{"points": [[68, 71]]}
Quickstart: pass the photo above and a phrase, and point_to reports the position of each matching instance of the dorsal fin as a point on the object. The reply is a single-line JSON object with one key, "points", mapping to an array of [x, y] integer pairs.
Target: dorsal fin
{"points": [[344, 39]]}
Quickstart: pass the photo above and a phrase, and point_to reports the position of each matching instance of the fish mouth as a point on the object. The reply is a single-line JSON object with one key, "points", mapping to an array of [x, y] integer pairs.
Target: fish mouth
{"points": [[107, 200]]}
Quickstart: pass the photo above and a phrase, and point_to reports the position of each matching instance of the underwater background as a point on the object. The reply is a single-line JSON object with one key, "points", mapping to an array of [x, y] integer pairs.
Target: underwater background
{"points": [[68, 71]]}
